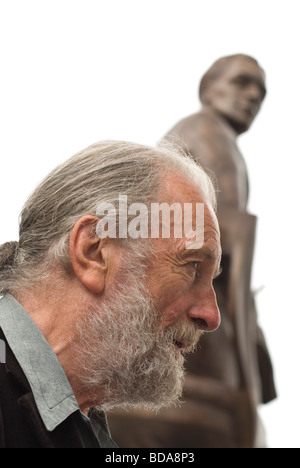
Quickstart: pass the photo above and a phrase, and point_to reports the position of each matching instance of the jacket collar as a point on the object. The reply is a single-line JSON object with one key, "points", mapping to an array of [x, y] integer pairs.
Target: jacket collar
{"points": [[51, 390]]}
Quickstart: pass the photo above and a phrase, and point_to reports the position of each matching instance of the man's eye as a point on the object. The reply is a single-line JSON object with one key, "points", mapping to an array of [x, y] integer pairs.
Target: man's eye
{"points": [[194, 264]]}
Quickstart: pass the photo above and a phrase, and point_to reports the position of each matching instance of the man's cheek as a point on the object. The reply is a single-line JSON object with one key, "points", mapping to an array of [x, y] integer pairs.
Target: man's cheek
{"points": [[171, 292], [174, 308]]}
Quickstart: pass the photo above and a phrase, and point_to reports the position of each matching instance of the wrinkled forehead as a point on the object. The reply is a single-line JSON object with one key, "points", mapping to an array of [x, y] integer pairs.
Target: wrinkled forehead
{"points": [[197, 218]]}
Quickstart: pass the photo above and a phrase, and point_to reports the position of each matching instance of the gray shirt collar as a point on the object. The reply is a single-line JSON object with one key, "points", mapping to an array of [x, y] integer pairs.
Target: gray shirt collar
{"points": [[51, 389]]}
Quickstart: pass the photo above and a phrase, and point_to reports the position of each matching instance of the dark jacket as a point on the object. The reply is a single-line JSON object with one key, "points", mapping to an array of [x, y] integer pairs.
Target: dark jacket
{"points": [[21, 425]]}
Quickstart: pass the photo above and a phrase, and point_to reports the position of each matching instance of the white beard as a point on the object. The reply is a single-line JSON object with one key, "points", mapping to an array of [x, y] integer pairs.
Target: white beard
{"points": [[126, 354]]}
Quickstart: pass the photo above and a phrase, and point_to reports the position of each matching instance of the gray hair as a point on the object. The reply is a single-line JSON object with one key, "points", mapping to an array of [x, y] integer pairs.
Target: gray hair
{"points": [[74, 189]]}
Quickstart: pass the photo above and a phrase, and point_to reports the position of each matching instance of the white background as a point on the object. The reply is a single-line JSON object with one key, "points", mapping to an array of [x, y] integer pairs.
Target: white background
{"points": [[77, 71]]}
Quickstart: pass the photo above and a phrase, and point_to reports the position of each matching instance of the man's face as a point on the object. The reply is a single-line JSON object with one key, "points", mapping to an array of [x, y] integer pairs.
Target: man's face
{"points": [[134, 339], [237, 94], [180, 279]]}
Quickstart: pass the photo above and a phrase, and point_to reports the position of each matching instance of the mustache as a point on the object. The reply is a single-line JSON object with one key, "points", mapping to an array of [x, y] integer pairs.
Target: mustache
{"points": [[184, 335]]}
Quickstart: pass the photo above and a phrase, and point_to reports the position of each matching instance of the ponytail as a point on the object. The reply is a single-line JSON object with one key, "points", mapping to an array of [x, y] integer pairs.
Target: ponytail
{"points": [[7, 259]]}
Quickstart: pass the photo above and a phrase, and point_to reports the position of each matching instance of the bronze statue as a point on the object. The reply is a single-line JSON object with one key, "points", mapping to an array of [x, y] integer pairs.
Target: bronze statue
{"points": [[231, 374]]}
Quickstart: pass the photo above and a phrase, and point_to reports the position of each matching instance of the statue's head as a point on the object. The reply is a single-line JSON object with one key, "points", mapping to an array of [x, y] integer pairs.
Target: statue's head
{"points": [[235, 88]]}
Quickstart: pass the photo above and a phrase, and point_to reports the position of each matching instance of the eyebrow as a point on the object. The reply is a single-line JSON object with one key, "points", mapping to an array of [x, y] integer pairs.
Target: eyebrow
{"points": [[207, 252]]}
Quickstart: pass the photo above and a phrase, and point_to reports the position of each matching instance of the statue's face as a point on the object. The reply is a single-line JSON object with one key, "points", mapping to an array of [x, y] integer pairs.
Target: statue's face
{"points": [[237, 94]]}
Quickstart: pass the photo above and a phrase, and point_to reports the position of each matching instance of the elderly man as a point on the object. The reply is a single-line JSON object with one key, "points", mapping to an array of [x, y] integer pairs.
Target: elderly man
{"points": [[231, 374], [92, 321]]}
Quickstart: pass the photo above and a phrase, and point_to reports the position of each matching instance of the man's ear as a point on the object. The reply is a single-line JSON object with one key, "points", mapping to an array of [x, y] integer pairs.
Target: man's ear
{"points": [[87, 254]]}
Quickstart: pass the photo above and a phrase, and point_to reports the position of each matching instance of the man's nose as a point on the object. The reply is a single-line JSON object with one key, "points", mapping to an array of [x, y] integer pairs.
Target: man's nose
{"points": [[205, 311]]}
